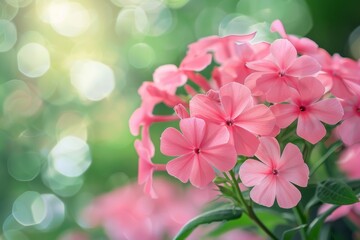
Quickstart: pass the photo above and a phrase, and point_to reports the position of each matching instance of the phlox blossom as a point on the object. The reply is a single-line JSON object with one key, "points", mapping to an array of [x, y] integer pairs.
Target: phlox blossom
{"points": [[280, 71], [309, 110], [274, 175], [199, 147], [233, 108], [349, 161]]}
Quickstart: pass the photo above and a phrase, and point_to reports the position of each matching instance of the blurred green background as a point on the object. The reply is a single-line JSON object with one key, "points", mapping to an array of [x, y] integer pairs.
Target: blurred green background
{"points": [[69, 73]]}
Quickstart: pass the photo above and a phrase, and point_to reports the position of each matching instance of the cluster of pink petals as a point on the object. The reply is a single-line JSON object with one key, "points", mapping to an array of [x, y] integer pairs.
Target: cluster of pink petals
{"points": [[126, 213], [273, 175], [352, 211], [255, 91]]}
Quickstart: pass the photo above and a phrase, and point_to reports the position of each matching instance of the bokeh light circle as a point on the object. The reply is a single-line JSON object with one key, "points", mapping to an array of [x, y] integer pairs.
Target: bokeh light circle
{"points": [[29, 208], [93, 80], [70, 156], [8, 35], [24, 166], [55, 212], [67, 18], [7, 11], [141, 55], [354, 43], [33, 60], [19, 3]]}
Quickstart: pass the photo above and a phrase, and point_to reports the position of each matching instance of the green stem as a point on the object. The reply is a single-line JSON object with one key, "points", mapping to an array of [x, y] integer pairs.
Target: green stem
{"points": [[325, 157], [249, 210], [301, 220]]}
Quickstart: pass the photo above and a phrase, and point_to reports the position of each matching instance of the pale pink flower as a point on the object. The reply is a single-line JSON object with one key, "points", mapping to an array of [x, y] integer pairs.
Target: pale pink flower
{"points": [[169, 77], [310, 112], [341, 211], [350, 128], [280, 72], [233, 108], [274, 175], [200, 147], [349, 161], [302, 45]]}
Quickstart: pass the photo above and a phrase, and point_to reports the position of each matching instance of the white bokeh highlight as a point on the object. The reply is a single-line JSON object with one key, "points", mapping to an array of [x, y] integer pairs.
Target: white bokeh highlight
{"points": [[33, 60]]}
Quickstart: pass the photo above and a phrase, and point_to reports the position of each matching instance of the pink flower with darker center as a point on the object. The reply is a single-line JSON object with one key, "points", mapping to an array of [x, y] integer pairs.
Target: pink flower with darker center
{"points": [[274, 175], [233, 108], [199, 147], [279, 73], [310, 112]]}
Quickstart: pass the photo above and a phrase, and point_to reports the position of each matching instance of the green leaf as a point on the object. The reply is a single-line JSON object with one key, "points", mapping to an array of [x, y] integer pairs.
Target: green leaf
{"points": [[288, 234], [335, 191], [226, 191], [316, 224], [355, 185], [220, 180], [217, 215]]}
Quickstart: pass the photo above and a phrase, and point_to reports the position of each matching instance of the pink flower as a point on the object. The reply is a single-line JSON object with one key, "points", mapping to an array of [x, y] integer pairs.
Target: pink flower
{"points": [[305, 106], [349, 161], [233, 108], [199, 147], [341, 211], [281, 71], [274, 175], [350, 127]]}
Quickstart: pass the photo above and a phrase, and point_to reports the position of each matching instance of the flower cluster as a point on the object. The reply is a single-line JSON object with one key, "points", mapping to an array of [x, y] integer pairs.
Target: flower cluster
{"points": [[237, 99]]}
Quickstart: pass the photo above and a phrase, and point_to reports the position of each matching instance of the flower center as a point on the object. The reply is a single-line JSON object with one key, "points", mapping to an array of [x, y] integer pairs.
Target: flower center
{"points": [[302, 108], [281, 73], [229, 122], [197, 150], [275, 172]]}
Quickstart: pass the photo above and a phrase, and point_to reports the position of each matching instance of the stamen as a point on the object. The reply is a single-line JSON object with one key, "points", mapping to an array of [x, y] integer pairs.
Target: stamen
{"points": [[197, 150], [275, 172], [302, 108]]}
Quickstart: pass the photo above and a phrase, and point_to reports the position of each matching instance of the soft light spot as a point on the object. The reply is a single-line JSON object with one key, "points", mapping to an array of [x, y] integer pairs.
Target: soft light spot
{"points": [[8, 35], [141, 55], [33, 60], [174, 4], [70, 156], [7, 11], [207, 22], [24, 166], [93, 80], [55, 212], [354, 42], [131, 21], [67, 18], [19, 3], [159, 18], [29, 208]]}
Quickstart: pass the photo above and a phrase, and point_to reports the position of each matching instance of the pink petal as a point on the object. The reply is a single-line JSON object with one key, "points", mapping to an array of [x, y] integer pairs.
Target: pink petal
{"points": [[268, 151], [291, 166], [303, 66], [181, 167], [193, 130], [136, 120], [310, 128], [258, 120], [222, 157], [339, 88], [202, 173], [215, 135], [253, 172], [263, 66], [287, 195], [196, 62], [146, 140], [279, 92], [205, 107], [235, 98], [168, 77], [349, 131], [284, 53], [245, 142], [146, 167], [285, 114], [264, 193], [173, 143], [181, 111], [329, 111], [338, 213], [310, 90], [277, 26]]}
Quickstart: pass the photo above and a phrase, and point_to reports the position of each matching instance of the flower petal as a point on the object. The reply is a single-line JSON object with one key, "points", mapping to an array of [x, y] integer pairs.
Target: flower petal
{"points": [[206, 108], [284, 53], [222, 157], [329, 111], [235, 98], [181, 167], [268, 151], [285, 114], [263, 66], [264, 193], [173, 143], [193, 130], [310, 90], [253, 172], [245, 143], [291, 166], [303, 66], [215, 135], [196, 62], [202, 173], [310, 128], [258, 120], [287, 195]]}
